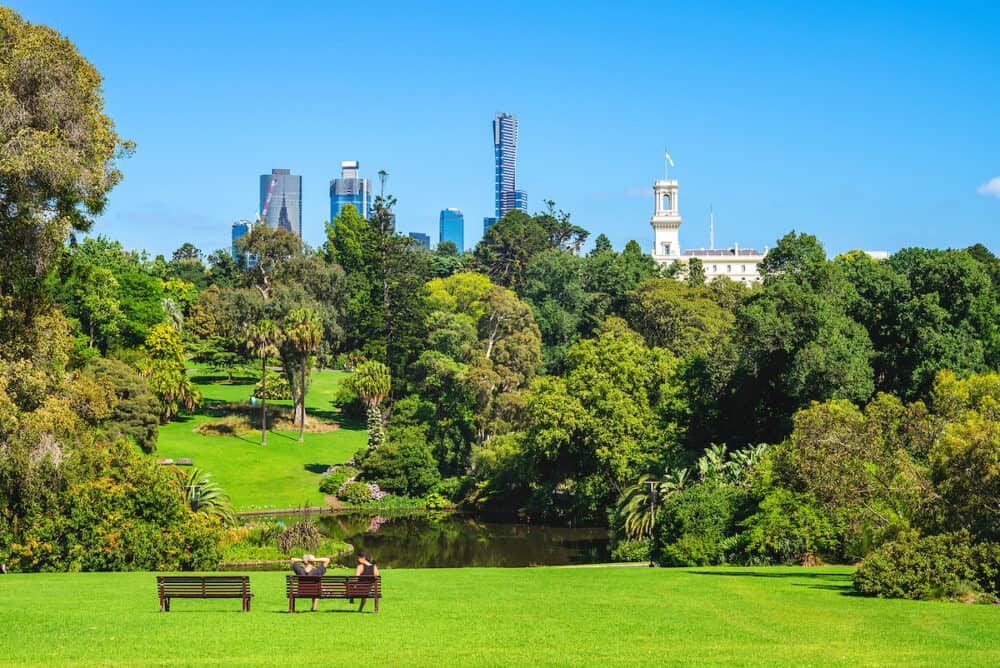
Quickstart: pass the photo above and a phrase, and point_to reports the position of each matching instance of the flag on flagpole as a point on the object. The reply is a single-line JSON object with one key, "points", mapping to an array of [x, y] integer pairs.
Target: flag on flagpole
{"points": [[669, 159]]}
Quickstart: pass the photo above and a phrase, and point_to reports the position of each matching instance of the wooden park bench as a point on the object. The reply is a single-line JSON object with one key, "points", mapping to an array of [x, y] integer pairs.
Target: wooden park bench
{"points": [[203, 586], [333, 586]]}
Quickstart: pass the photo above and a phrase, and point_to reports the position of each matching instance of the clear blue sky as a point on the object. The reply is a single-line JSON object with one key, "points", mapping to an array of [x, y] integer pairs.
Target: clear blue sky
{"points": [[869, 124]]}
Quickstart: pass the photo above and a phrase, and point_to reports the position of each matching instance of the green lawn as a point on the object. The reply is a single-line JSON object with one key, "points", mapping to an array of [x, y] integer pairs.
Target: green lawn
{"points": [[285, 473], [500, 617]]}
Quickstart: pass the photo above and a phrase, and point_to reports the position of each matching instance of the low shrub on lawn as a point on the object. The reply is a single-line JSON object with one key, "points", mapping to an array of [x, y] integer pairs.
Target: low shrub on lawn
{"points": [[948, 565], [335, 479]]}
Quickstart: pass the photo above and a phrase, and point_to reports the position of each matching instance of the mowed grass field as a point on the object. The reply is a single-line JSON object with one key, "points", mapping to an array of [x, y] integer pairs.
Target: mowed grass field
{"points": [[499, 617], [283, 474]]}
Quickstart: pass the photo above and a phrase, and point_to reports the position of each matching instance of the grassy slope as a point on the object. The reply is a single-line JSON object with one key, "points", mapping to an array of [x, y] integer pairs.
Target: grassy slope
{"points": [[500, 617], [284, 474]]}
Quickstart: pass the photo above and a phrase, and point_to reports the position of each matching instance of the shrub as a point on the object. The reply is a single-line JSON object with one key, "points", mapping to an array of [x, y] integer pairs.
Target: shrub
{"points": [[130, 515], [631, 550], [787, 528], [693, 524], [922, 568], [336, 477], [355, 493], [304, 535], [277, 387], [137, 413], [405, 465], [435, 501], [346, 398], [454, 489], [986, 557]]}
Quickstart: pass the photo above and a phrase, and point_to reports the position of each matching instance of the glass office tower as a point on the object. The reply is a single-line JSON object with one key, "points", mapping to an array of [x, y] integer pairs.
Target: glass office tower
{"points": [[350, 188], [423, 239], [281, 200], [241, 228], [508, 197], [451, 227]]}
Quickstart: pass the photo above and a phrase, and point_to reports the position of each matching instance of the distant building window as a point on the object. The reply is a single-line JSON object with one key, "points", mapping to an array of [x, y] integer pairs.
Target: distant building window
{"points": [[715, 268], [666, 202], [743, 267], [729, 268]]}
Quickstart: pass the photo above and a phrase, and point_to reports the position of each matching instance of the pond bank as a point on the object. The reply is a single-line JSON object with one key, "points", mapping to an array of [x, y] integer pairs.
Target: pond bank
{"points": [[437, 539]]}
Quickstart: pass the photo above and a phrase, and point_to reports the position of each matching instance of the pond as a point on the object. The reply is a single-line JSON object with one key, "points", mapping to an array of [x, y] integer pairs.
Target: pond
{"points": [[451, 540]]}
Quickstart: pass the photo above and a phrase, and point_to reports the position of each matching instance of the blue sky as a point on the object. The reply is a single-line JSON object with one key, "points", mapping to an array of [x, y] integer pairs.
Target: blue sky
{"points": [[872, 125]]}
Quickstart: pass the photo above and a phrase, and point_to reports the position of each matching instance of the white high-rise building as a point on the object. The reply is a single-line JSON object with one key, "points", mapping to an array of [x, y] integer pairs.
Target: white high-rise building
{"points": [[738, 264]]}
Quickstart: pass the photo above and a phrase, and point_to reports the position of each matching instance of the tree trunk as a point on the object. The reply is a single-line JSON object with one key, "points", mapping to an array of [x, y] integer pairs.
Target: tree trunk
{"points": [[302, 399], [263, 401]]}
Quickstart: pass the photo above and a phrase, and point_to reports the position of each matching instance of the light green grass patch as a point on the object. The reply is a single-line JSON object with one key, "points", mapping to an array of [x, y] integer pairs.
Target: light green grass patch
{"points": [[500, 617], [283, 474]]}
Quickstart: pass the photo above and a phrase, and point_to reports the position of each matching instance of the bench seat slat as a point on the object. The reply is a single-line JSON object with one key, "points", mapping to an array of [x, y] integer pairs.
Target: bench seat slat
{"points": [[332, 586], [203, 586]]}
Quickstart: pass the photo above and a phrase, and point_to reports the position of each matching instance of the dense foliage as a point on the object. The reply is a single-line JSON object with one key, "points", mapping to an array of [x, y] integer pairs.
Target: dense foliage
{"points": [[523, 377]]}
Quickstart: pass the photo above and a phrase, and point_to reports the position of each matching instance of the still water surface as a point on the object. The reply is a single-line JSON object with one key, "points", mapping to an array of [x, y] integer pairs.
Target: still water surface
{"points": [[449, 540]]}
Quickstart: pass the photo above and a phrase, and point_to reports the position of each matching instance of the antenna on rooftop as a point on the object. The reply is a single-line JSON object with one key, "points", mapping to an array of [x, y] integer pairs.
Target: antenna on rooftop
{"points": [[382, 176], [711, 227]]}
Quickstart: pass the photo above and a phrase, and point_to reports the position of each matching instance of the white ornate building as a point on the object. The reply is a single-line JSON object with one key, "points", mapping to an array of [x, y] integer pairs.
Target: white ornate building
{"points": [[738, 264]]}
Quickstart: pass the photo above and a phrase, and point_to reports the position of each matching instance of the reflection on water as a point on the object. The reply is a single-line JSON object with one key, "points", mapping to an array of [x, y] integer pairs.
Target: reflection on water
{"points": [[440, 540]]}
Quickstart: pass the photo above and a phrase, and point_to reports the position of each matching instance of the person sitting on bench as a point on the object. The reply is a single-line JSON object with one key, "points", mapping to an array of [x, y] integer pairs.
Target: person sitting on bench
{"points": [[366, 566], [310, 565]]}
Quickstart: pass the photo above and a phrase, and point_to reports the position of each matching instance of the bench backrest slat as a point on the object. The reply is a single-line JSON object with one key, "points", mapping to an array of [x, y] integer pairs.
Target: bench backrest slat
{"points": [[358, 586]]}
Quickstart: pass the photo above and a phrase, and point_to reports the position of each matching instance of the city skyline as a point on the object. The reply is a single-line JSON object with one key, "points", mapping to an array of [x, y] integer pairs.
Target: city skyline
{"points": [[868, 127]]}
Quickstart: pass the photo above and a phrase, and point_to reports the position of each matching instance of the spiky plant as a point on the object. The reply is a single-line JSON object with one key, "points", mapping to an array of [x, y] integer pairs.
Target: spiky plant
{"points": [[202, 495], [637, 504], [372, 382]]}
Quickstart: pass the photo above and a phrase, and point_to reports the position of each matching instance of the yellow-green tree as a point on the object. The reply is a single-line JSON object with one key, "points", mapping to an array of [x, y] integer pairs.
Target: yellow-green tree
{"points": [[164, 370], [59, 149]]}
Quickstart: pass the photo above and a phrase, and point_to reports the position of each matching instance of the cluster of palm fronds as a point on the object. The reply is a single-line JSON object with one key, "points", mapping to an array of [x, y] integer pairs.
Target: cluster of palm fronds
{"points": [[637, 504], [202, 495]]}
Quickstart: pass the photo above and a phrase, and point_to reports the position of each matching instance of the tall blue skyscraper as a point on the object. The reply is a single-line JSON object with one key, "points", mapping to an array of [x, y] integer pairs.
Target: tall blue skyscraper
{"points": [[451, 227], [350, 188], [241, 228], [508, 197], [281, 200]]}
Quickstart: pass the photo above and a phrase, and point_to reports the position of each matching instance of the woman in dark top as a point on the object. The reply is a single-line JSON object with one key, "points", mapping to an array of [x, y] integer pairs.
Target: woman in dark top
{"points": [[366, 566]]}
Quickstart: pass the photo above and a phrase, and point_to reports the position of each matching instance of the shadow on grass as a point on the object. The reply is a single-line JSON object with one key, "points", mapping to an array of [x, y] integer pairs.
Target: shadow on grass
{"points": [[843, 589], [316, 468], [202, 379], [758, 574]]}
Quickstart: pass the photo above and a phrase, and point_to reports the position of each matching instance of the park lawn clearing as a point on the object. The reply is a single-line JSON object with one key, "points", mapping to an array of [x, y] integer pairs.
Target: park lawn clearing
{"points": [[282, 474], [499, 617]]}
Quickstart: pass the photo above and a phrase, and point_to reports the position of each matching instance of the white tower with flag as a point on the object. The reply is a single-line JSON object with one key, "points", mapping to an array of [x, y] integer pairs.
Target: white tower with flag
{"points": [[738, 264], [666, 220]]}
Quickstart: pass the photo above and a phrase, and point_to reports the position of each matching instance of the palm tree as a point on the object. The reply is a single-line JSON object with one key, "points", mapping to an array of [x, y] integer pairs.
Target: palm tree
{"points": [[303, 331], [636, 505], [372, 382], [204, 496], [263, 340]]}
